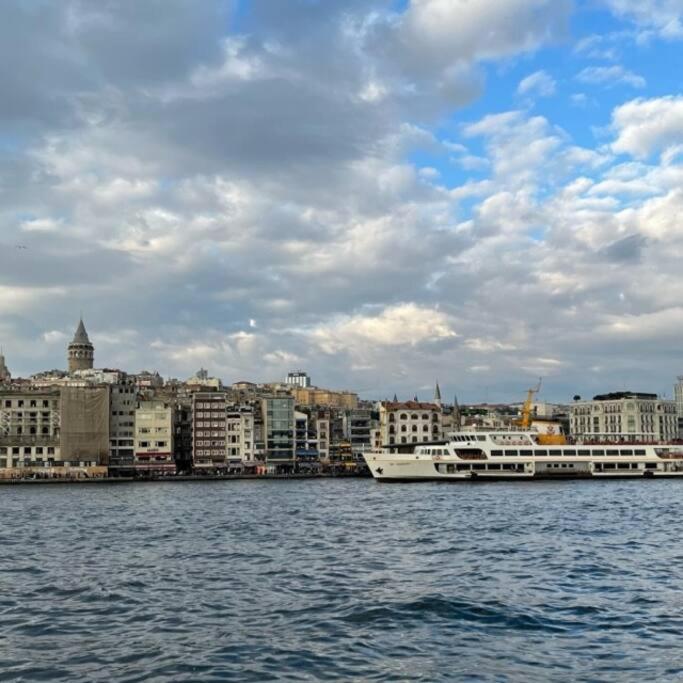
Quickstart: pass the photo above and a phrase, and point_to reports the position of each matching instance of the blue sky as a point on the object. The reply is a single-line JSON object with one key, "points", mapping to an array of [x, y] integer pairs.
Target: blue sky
{"points": [[382, 193]]}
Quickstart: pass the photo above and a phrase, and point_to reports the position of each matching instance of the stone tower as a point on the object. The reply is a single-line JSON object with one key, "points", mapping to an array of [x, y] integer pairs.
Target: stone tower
{"points": [[81, 351], [5, 375]]}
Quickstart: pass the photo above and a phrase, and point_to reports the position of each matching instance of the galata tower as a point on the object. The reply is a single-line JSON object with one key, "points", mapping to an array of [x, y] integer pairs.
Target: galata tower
{"points": [[81, 351]]}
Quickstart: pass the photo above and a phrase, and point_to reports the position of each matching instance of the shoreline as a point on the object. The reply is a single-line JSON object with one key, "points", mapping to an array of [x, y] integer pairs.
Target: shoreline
{"points": [[181, 478]]}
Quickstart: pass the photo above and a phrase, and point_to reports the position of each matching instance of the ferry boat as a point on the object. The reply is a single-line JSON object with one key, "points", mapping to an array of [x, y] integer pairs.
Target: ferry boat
{"points": [[468, 456]]}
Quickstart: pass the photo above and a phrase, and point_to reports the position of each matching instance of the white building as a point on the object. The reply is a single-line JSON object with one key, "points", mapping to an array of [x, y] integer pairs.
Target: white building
{"points": [[624, 416], [410, 422], [299, 379], [239, 427]]}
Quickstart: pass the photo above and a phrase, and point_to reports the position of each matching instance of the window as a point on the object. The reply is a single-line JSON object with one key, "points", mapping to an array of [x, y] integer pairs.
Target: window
{"points": [[569, 451], [496, 452], [511, 453]]}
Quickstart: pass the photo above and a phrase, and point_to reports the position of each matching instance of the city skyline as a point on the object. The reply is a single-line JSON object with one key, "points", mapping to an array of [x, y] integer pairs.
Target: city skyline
{"points": [[383, 194]]}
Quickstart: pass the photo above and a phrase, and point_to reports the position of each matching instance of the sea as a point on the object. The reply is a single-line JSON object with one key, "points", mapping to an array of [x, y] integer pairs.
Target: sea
{"points": [[342, 580]]}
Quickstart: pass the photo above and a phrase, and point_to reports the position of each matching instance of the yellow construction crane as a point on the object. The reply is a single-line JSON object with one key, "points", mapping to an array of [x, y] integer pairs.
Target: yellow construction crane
{"points": [[525, 421]]}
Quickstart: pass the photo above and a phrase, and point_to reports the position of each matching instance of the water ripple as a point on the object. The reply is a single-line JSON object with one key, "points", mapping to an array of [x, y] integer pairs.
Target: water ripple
{"points": [[341, 580]]}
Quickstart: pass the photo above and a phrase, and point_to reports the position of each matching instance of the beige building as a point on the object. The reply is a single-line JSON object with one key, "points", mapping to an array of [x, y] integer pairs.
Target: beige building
{"points": [[312, 396], [58, 432], [154, 437], [411, 422], [624, 416]]}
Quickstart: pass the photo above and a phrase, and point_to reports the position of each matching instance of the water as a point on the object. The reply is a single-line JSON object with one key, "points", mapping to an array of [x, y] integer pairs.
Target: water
{"points": [[342, 580]]}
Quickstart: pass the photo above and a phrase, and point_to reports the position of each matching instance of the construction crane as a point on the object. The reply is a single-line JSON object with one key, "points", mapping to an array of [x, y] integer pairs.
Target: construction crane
{"points": [[525, 421]]}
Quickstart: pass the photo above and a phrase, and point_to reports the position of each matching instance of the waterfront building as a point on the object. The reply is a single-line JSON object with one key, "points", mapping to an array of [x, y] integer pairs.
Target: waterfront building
{"points": [[182, 434], [209, 436], [409, 422], [122, 405], [5, 376], [240, 435], [322, 433], [29, 429], [299, 379], [154, 438], [81, 352], [357, 427], [624, 416], [279, 430]]}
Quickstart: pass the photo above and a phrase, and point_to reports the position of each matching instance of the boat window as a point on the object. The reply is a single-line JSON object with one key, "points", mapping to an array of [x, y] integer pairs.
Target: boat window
{"points": [[463, 468], [639, 451], [650, 465], [609, 465], [627, 452], [479, 467], [612, 452], [541, 451], [584, 452], [510, 452], [481, 437], [624, 465], [450, 469], [526, 452], [496, 452], [494, 467], [598, 451], [568, 451]]}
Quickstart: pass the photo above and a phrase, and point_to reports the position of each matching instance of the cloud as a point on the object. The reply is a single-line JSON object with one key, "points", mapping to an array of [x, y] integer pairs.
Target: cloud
{"points": [[538, 83], [662, 16], [402, 324], [646, 126], [610, 76]]}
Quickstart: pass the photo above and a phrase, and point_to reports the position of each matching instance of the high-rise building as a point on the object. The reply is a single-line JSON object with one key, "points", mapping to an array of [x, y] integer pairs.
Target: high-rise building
{"points": [[81, 353], [209, 436], [279, 429]]}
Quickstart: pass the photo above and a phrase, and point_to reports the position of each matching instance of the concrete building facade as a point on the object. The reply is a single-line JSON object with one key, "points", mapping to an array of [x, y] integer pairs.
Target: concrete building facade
{"points": [[154, 438], [624, 416], [410, 422], [209, 436]]}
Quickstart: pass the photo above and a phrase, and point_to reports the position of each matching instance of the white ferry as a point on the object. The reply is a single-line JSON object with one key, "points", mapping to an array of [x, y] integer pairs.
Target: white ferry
{"points": [[522, 455]]}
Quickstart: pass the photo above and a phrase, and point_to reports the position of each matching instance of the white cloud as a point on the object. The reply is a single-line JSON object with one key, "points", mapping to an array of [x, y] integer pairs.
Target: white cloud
{"points": [[402, 324], [538, 83], [647, 126], [610, 75], [663, 16]]}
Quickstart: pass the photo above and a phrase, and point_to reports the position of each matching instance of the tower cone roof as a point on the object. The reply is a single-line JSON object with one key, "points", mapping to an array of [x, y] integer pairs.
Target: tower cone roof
{"points": [[437, 393], [81, 336]]}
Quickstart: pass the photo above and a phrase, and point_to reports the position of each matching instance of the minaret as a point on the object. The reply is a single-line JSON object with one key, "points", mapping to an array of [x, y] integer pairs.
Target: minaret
{"points": [[437, 395], [5, 375], [81, 351]]}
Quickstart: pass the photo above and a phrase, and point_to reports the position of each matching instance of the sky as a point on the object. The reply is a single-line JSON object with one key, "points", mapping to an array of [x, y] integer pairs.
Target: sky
{"points": [[381, 193]]}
